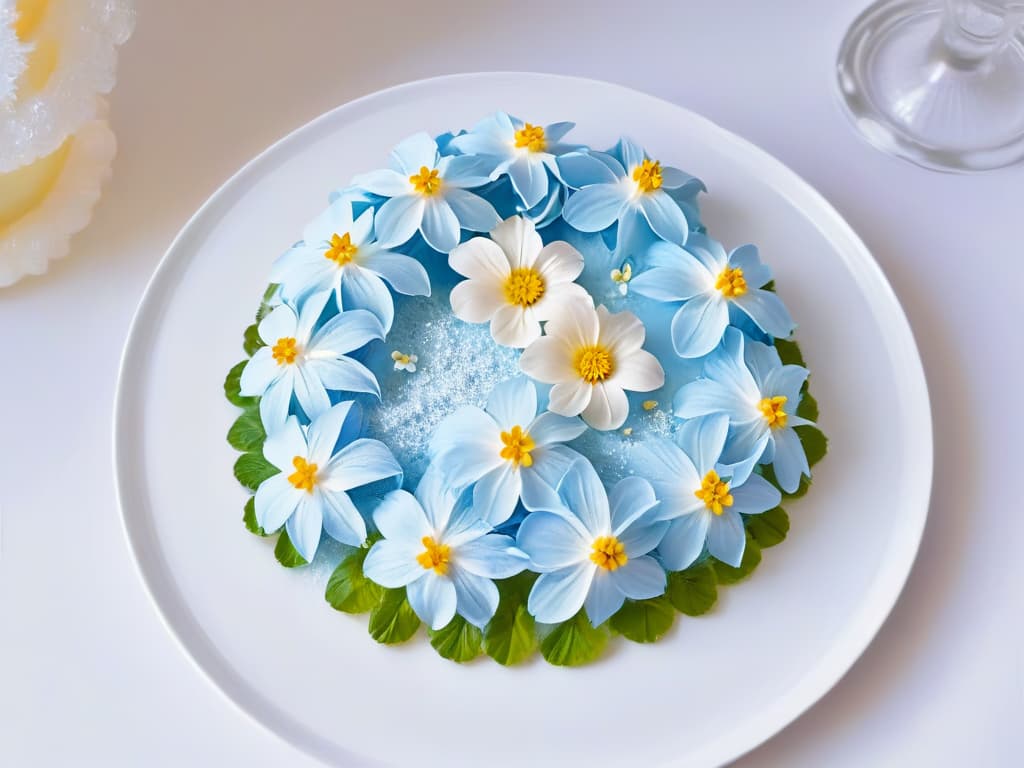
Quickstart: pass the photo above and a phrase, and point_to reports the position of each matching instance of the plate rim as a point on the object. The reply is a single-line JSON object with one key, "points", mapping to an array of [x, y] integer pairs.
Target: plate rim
{"points": [[839, 658]]}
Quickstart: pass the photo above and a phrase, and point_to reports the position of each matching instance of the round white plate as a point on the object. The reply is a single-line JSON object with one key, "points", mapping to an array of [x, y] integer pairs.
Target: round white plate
{"points": [[716, 686]]}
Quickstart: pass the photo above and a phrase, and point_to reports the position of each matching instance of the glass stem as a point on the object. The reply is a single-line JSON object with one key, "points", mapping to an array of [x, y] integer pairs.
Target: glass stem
{"points": [[973, 31]]}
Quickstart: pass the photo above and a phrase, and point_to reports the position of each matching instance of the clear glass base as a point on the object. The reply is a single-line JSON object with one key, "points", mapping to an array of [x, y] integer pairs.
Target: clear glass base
{"points": [[941, 88]]}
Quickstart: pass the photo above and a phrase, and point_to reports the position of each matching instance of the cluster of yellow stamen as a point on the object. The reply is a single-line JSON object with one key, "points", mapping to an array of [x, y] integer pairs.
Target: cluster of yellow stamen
{"points": [[772, 408], [426, 182], [517, 446], [731, 282], [524, 287], [647, 175], [649, 405], [285, 351], [593, 364], [531, 137], [714, 492], [622, 276], [435, 556], [609, 553], [304, 476], [341, 250]]}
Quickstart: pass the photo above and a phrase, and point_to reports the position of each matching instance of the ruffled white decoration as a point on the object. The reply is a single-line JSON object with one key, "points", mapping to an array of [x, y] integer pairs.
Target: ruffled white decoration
{"points": [[41, 235], [88, 33], [12, 52]]}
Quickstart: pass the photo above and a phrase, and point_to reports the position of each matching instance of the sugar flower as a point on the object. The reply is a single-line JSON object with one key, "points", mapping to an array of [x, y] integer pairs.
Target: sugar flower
{"points": [[617, 189], [429, 193], [509, 450], [515, 281], [712, 286], [702, 505], [523, 151], [591, 549], [297, 361], [747, 382], [592, 356], [319, 467], [437, 547], [621, 277], [404, 362], [340, 254]]}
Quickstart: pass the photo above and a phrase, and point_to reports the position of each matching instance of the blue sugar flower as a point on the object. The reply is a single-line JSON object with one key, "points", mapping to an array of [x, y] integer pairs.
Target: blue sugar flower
{"points": [[591, 549], [437, 547], [510, 451], [702, 505], [760, 395], [298, 362], [714, 287], [429, 193], [319, 467], [340, 254], [629, 189], [525, 152]]}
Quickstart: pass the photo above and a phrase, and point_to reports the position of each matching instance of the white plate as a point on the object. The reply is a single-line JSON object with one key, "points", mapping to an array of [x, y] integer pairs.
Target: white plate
{"points": [[716, 686]]}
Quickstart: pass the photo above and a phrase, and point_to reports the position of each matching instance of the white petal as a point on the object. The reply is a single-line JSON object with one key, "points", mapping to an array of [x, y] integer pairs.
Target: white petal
{"points": [[576, 323], [480, 259], [571, 398], [608, 406], [549, 359], [559, 262], [476, 301], [622, 332], [514, 326], [638, 372], [518, 238]]}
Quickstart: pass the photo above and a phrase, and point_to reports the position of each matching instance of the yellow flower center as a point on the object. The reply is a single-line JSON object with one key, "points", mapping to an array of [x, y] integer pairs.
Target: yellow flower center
{"points": [[304, 476], [623, 275], [647, 175], [609, 553], [341, 250], [401, 357], [434, 556], [518, 445], [772, 408], [532, 137], [731, 282], [524, 287], [426, 182], [593, 364], [714, 492], [285, 351]]}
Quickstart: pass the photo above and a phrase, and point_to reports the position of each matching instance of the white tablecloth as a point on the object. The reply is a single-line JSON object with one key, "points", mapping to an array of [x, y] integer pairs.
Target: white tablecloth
{"points": [[87, 673]]}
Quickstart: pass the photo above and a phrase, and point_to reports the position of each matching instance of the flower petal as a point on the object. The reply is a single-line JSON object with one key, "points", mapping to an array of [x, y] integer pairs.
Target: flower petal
{"points": [[664, 462], [595, 207], [284, 444], [476, 597], [583, 494], [703, 439], [551, 428], [559, 595], [276, 500], [608, 406], [323, 433], [393, 564], [675, 283], [726, 537], [643, 536], [639, 371], [466, 171], [550, 463], [473, 212], [259, 373], [404, 273], [341, 519], [514, 326], [518, 240], [399, 517], [570, 398], [529, 179], [787, 381], [481, 259], [699, 324], [558, 262], [576, 323], [476, 301], [640, 578], [467, 427], [603, 599], [348, 331], [361, 462], [310, 391], [754, 272], [665, 216], [440, 226], [344, 374], [280, 323], [755, 496], [411, 154], [622, 332], [398, 219], [684, 540], [630, 498], [305, 526], [790, 460], [583, 169], [493, 556], [335, 219], [496, 494], [433, 599], [549, 359], [767, 310], [513, 402], [277, 400], [705, 396], [384, 182], [552, 541]]}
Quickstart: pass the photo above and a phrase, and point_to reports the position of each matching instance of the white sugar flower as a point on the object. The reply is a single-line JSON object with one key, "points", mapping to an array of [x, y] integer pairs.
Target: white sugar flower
{"points": [[404, 362], [515, 281], [592, 356]]}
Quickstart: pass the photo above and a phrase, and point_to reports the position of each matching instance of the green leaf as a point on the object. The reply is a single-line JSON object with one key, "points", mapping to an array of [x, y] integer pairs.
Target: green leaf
{"points": [[726, 574], [768, 528], [693, 591], [286, 553], [511, 635], [808, 407], [251, 469], [644, 621], [574, 642], [247, 434], [349, 590], [814, 442], [393, 621], [459, 641], [789, 352], [252, 340], [769, 286], [265, 308], [249, 518], [233, 387]]}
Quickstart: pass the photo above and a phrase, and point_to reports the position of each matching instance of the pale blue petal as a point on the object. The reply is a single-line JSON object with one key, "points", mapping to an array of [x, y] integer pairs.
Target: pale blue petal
{"points": [[643, 536], [346, 332], [684, 280], [361, 462], [433, 599], [665, 216], [476, 597], [259, 373], [513, 403], [767, 310], [279, 324], [324, 431], [309, 314], [301, 270], [343, 374], [703, 440], [584, 495], [464, 171], [276, 500], [755, 496], [284, 444], [754, 272], [440, 227], [745, 447], [473, 212], [393, 564], [469, 440], [729, 367], [790, 459], [631, 153], [276, 400], [786, 381], [550, 463], [708, 251], [595, 207], [494, 556], [580, 169], [551, 428], [496, 494], [673, 178], [385, 182], [529, 179], [305, 526], [699, 324], [310, 392], [464, 524], [559, 595], [603, 599], [361, 289], [761, 360], [684, 540], [398, 219], [404, 273], [335, 219], [489, 136], [552, 541], [341, 519], [640, 578], [437, 497], [556, 131], [630, 498], [413, 153], [400, 517], [465, 464], [726, 537], [665, 462]]}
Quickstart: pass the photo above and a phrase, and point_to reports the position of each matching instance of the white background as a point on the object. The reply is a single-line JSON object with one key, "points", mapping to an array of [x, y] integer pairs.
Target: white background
{"points": [[87, 673]]}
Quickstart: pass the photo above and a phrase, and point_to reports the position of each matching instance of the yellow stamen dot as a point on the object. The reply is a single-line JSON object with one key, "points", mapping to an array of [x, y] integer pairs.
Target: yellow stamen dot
{"points": [[731, 282], [647, 175], [772, 408], [623, 275], [304, 476], [714, 492], [435, 556], [532, 138], [627, 431], [518, 445], [524, 287], [341, 250], [649, 405], [285, 351], [593, 364], [426, 182], [401, 357], [609, 553]]}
